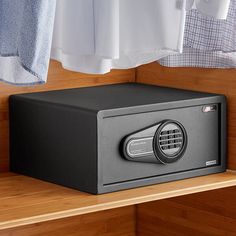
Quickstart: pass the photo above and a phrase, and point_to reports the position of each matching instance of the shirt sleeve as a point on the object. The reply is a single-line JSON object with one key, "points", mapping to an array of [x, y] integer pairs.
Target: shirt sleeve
{"points": [[215, 8]]}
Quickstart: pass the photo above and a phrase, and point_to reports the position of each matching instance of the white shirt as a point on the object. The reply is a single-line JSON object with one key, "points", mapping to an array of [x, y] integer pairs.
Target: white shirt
{"points": [[95, 36]]}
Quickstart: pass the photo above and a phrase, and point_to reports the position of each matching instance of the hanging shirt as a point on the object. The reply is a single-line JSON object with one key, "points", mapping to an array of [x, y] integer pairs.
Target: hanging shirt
{"points": [[97, 36], [200, 58], [208, 42], [26, 28], [214, 8]]}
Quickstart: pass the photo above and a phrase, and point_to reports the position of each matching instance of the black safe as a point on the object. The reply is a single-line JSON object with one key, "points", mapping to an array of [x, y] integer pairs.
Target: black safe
{"points": [[107, 138]]}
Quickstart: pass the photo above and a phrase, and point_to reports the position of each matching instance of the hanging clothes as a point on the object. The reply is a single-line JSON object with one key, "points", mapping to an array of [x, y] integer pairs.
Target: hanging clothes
{"points": [[200, 58], [26, 28], [208, 42], [97, 36], [215, 8]]}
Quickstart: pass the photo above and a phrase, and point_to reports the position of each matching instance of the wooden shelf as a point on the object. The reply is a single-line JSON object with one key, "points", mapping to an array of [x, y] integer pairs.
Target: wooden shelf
{"points": [[25, 200]]}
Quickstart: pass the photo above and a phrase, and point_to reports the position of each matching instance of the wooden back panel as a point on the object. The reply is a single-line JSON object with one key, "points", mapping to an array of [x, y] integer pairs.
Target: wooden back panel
{"points": [[58, 78], [221, 81]]}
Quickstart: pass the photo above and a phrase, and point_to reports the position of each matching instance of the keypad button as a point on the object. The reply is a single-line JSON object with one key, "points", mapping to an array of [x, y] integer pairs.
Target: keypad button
{"points": [[164, 132], [163, 137], [163, 142], [178, 145], [176, 131], [171, 141]]}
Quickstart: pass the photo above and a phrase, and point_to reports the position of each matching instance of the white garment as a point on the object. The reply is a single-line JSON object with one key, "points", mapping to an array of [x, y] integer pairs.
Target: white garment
{"points": [[95, 36], [215, 8]]}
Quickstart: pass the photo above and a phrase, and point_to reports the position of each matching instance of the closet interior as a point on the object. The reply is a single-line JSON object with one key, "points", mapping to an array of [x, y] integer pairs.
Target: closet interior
{"points": [[200, 206]]}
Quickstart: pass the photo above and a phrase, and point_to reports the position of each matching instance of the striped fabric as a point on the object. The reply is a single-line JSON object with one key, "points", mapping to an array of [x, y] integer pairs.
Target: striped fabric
{"points": [[208, 42]]}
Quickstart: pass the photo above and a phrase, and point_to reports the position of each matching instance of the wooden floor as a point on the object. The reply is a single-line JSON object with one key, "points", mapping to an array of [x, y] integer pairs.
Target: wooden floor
{"points": [[25, 200]]}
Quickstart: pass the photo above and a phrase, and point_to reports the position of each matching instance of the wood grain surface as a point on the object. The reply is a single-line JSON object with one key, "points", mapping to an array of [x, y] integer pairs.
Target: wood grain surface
{"points": [[25, 200], [116, 222], [211, 213]]}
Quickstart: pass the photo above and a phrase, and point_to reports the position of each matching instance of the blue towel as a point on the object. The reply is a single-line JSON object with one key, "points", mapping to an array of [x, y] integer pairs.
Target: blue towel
{"points": [[26, 28], [208, 42]]}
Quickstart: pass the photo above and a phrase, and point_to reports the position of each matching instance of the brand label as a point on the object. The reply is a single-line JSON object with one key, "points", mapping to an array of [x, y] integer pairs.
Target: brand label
{"points": [[212, 162]]}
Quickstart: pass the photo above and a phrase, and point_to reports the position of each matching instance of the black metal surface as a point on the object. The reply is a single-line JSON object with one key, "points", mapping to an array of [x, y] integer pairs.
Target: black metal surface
{"points": [[73, 137]]}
